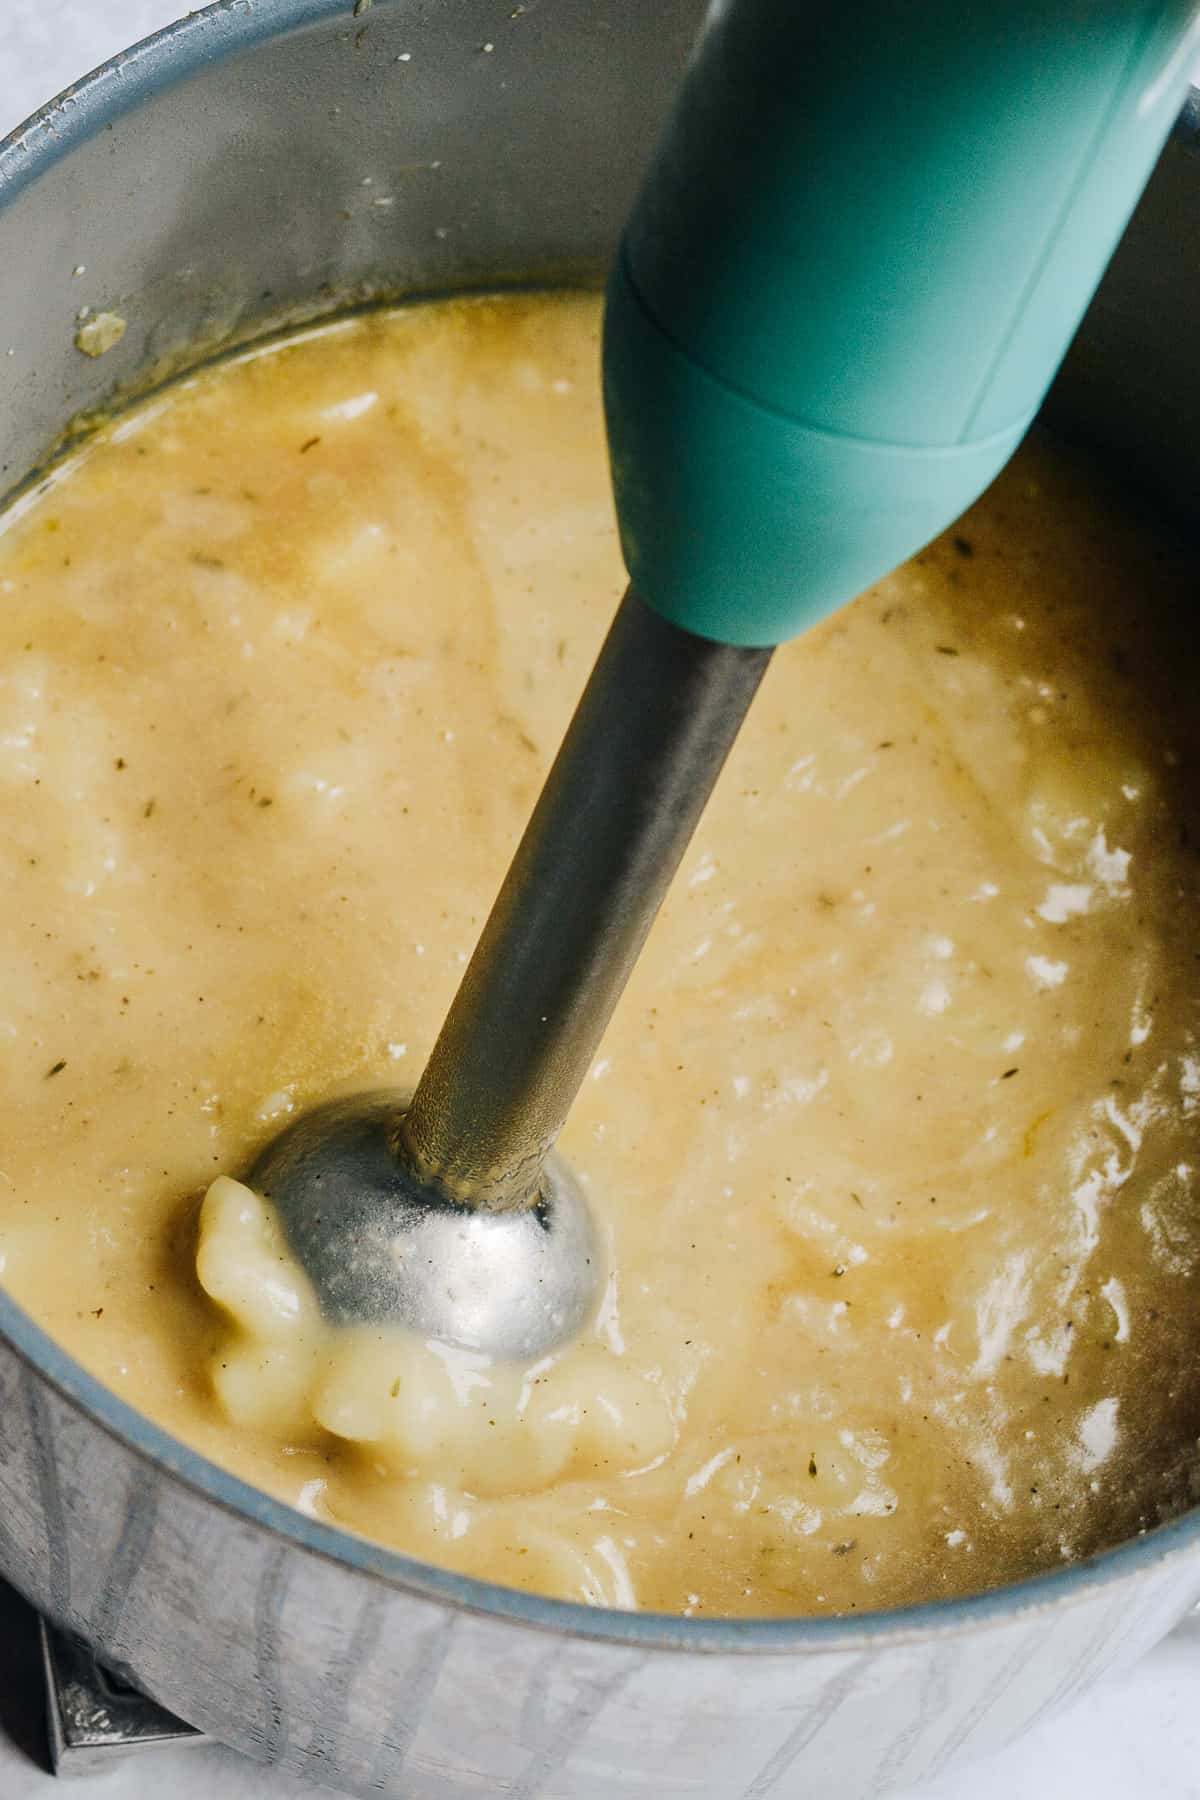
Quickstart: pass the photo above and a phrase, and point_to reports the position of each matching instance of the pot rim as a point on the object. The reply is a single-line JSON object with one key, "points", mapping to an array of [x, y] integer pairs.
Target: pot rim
{"points": [[76, 115]]}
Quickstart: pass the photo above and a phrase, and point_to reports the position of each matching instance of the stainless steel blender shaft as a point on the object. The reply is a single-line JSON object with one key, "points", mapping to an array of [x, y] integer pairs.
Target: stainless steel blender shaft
{"points": [[643, 751]]}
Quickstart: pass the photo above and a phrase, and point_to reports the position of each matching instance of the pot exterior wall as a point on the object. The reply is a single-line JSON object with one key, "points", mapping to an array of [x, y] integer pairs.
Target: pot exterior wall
{"points": [[352, 1682]]}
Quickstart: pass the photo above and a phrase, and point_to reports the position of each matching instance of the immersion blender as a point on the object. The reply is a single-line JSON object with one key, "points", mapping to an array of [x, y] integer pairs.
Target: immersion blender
{"points": [[859, 254]]}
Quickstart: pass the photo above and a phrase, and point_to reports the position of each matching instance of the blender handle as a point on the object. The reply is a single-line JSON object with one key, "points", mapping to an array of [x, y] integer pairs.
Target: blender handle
{"points": [[858, 257]]}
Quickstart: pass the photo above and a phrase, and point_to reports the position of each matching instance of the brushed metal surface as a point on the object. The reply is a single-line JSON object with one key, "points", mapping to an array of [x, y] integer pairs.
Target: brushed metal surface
{"points": [[93, 1720], [213, 181], [648, 740]]}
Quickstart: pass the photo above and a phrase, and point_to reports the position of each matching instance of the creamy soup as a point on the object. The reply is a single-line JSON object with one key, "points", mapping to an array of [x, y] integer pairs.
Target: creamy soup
{"points": [[892, 1139]]}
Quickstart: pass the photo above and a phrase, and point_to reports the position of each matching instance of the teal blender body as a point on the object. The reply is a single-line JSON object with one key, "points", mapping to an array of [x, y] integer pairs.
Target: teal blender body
{"points": [[861, 251]]}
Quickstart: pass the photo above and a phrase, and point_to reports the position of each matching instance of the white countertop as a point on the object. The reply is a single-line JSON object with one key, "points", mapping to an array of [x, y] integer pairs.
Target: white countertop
{"points": [[1136, 1738]]}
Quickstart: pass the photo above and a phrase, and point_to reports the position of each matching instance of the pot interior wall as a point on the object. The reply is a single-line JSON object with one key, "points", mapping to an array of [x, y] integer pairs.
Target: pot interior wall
{"points": [[416, 149], [1130, 385], [412, 149]]}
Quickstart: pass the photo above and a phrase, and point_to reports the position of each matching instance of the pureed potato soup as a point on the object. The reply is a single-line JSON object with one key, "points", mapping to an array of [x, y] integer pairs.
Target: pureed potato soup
{"points": [[892, 1138]]}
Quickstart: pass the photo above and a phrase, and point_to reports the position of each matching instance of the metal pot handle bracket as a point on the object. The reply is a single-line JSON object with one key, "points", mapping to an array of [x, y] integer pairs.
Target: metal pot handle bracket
{"points": [[93, 1718]]}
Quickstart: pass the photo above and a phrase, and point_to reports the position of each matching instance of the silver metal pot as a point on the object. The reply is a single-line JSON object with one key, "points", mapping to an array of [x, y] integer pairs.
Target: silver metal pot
{"points": [[270, 157]]}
